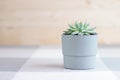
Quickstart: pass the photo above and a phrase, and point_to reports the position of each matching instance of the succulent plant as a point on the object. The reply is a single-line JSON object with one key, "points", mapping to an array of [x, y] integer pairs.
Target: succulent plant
{"points": [[80, 28]]}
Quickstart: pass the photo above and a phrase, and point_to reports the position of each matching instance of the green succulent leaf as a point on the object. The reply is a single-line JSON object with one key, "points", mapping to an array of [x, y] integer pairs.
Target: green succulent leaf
{"points": [[80, 28], [76, 25], [86, 25], [71, 26], [76, 32]]}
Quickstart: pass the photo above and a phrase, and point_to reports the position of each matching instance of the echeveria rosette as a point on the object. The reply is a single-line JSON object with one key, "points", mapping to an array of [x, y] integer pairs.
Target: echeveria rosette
{"points": [[79, 28]]}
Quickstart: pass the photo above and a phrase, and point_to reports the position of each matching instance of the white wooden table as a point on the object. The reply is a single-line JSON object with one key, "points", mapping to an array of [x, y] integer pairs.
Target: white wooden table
{"points": [[47, 64]]}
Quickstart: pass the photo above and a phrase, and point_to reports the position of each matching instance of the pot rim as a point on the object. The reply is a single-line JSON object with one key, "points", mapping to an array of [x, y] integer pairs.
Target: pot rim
{"points": [[80, 35]]}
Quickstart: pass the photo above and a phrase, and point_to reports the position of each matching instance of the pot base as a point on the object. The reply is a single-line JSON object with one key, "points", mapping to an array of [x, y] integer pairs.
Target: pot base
{"points": [[79, 62]]}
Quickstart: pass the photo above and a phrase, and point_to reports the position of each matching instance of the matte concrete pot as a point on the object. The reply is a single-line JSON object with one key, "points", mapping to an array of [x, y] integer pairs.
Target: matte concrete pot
{"points": [[79, 51]]}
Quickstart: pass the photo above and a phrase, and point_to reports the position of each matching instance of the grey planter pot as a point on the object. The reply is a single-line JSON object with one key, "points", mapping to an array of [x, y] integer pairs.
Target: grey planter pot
{"points": [[79, 51]]}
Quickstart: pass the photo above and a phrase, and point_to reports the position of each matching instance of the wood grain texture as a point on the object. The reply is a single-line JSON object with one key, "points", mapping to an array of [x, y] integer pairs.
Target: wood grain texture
{"points": [[41, 22]]}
